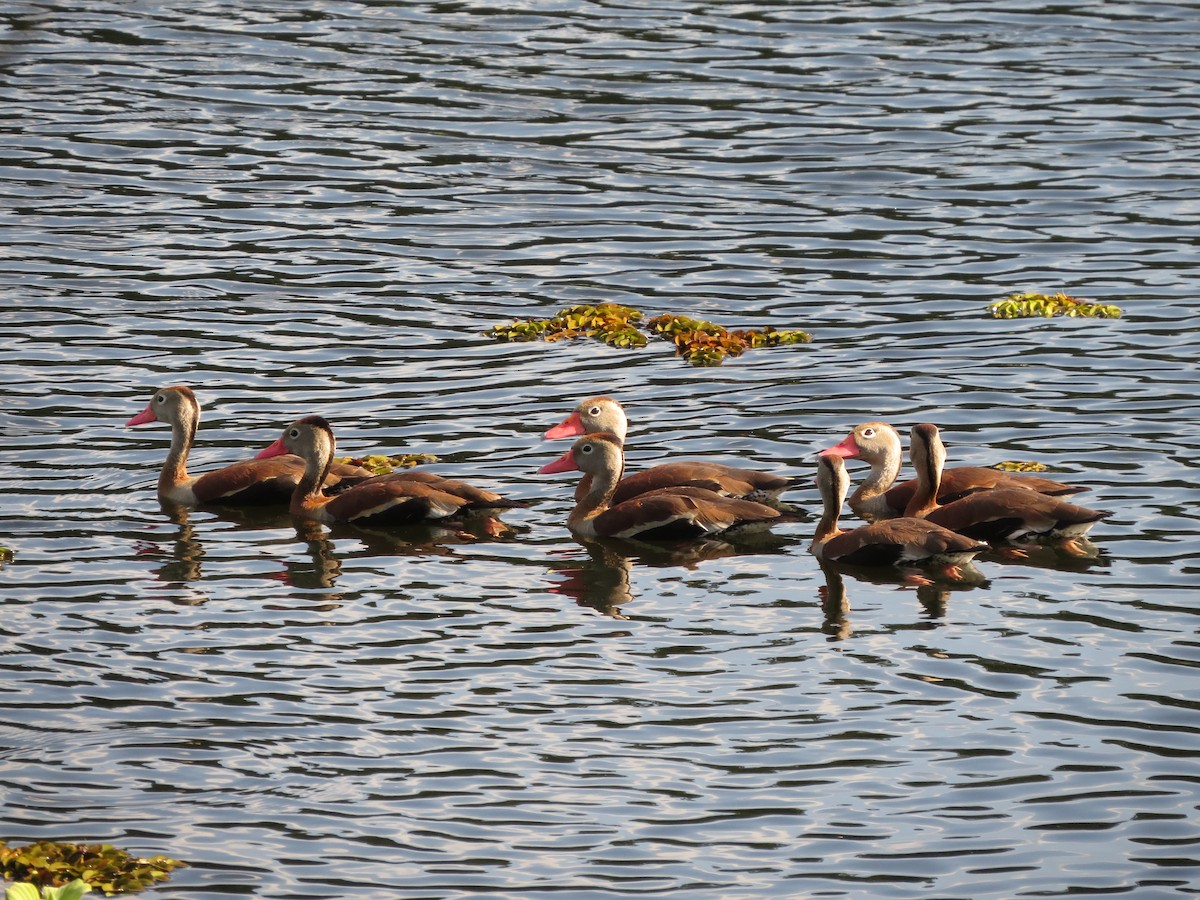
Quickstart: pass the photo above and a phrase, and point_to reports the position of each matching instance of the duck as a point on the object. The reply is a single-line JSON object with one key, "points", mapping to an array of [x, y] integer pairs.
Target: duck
{"points": [[878, 497], [407, 498], [1000, 514], [899, 541], [251, 482], [605, 414], [683, 512]]}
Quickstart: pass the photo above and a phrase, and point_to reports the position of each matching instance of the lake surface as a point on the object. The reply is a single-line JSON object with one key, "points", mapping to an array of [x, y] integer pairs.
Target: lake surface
{"points": [[319, 207]]}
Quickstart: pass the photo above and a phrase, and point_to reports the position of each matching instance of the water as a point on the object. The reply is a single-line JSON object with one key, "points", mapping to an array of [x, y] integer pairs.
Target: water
{"points": [[319, 207]]}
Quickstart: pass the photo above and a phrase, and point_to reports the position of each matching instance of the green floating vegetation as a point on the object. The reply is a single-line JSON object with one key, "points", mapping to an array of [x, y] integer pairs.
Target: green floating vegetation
{"points": [[1021, 467], [26, 891], [381, 464], [1031, 304], [700, 342], [100, 866], [704, 343], [609, 322]]}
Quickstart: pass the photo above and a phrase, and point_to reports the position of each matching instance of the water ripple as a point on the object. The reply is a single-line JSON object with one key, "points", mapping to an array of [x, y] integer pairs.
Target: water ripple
{"points": [[321, 208]]}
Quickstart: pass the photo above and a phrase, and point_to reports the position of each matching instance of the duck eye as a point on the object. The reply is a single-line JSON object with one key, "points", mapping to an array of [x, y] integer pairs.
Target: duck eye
{"points": [[586, 448], [294, 433], [868, 432], [160, 398], [594, 411]]}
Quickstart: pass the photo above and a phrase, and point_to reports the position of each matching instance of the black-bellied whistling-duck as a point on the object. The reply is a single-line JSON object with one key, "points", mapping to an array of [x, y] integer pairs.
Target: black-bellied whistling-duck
{"points": [[893, 542], [1002, 514], [604, 414], [252, 482], [878, 497], [383, 500], [676, 513]]}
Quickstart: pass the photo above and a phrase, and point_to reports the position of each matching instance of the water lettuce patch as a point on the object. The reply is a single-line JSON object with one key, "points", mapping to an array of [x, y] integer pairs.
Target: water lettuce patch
{"points": [[25, 891], [700, 342], [1031, 304], [381, 464], [1020, 466], [102, 867]]}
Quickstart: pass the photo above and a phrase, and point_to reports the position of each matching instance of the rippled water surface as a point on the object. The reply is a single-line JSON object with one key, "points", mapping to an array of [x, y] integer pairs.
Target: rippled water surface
{"points": [[318, 207]]}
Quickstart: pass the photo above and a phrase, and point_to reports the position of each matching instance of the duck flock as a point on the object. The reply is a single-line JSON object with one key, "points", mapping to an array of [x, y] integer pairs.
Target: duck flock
{"points": [[937, 522]]}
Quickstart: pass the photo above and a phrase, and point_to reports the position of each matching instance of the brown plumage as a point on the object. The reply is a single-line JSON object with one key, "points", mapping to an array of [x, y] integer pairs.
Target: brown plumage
{"points": [[252, 482], [665, 514], [479, 500], [878, 497], [1002, 514], [400, 499], [894, 542], [604, 414]]}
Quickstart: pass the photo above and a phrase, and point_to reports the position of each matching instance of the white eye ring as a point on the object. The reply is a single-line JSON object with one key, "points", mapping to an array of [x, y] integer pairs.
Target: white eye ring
{"points": [[161, 398], [594, 411], [586, 448], [868, 432], [294, 433]]}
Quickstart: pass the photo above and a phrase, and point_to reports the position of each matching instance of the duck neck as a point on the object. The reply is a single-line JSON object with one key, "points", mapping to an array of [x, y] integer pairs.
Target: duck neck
{"points": [[307, 496], [600, 489], [183, 435], [832, 481], [827, 528], [928, 456], [885, 469]]}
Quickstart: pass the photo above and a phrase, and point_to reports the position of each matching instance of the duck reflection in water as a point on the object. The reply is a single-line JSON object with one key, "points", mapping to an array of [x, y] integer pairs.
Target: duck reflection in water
{"points": [[359, 542], [932, 595], [1082, 554], [181, 559], [323, 566], [181, 565], [603, 581]]}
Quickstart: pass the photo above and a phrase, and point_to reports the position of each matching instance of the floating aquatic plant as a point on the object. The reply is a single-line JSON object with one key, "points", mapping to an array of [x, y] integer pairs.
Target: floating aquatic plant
{"points": [[26, 891], [381, 464], [609, 322], [700, 342], [1021, 467], [1031, 304], [704, 343], [100, 866]]}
